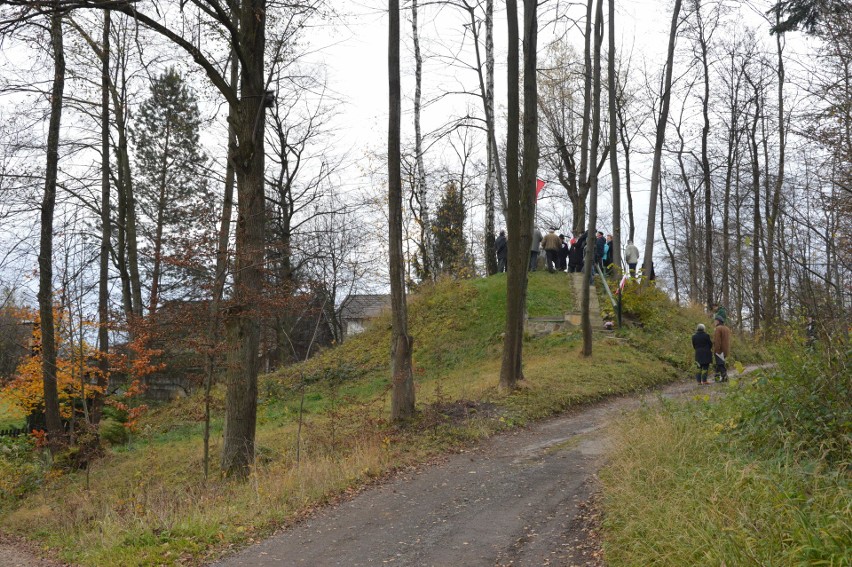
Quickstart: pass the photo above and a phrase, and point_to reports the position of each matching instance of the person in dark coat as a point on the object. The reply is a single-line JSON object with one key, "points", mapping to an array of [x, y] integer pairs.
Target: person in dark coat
{"points": [[576, 254], [703, 345], [563, 254], [600, 246], [501, 249]]}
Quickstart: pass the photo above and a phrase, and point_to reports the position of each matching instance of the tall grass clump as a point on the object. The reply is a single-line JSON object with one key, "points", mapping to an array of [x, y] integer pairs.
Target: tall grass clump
{"points": [[761, 477]]}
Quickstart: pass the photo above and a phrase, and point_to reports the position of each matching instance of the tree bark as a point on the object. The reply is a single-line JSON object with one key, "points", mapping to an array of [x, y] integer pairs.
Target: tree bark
{"points": [[518, 242], [402, 393], [613, 144], [705, 165], [660, 140], [583, 181], [244, 324], [158, 230], [103, 280], [588, 268], [55, 432], [755, 184], [426, 237], [221, 271]]}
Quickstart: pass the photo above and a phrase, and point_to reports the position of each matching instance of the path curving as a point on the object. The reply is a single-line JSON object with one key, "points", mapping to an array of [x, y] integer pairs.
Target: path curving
{"points": [[518, 499]]}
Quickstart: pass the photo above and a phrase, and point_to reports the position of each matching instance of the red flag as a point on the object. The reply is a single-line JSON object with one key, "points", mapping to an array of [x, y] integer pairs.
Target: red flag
{"points": [[539, 185]]}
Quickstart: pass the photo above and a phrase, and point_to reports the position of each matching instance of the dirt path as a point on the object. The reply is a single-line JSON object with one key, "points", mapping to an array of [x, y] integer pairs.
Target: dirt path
{"points": [[19, 553], [521, 498]]}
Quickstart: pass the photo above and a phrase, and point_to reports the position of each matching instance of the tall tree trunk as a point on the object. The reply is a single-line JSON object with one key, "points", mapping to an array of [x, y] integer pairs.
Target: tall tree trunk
{"points": [[486, 88], [518, 242], [103, 282], [625, 146], [132, 289], [613, 144], [732, 157], [426, 237], [755, 183], [656, 168], [666, 243], [492, 157], [402, 394], [221, 272], [55, 433], [527, 193], [158, 230], [583, 181], [244, 324], [705, 166], [772, 218], [588, 269]]}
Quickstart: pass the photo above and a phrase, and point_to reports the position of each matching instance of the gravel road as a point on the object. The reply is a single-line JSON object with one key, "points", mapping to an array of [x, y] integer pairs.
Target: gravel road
{"points": [[521, 498]]}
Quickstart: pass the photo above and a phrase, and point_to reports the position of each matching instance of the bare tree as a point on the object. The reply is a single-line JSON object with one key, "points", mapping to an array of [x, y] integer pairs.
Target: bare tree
{"points": [[402, 394], [613, 141], [662, 121], [45, 258], [589, 263]]}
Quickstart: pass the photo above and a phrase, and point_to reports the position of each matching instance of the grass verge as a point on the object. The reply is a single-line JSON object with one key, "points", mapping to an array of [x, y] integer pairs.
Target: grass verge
{"points": [[731, 483]]}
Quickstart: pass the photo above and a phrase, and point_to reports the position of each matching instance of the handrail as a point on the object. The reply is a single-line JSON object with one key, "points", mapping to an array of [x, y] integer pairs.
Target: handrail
{"points": [[606, 286]]}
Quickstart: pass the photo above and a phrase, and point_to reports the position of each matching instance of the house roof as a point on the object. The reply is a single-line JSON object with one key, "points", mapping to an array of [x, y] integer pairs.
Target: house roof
{"points": [[364, 306]]}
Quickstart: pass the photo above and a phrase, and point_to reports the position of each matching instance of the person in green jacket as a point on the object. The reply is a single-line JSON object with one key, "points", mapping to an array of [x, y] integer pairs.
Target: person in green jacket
{"points": [[720, 313]]}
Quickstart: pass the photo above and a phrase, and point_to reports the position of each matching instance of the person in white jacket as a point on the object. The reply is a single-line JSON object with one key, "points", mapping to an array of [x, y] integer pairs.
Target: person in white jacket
{"points": [[631, 255]]}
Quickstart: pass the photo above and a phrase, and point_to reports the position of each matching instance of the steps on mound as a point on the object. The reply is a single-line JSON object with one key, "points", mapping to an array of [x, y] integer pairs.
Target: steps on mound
{"points": [[539, 326]]}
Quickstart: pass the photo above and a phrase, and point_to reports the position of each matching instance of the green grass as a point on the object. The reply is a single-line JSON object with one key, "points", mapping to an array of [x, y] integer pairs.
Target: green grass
{"points": [[761, 477], [10, 416], [146, 503]]}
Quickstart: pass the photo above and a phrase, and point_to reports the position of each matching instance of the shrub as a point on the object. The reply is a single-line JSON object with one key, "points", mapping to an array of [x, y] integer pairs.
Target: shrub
{"points": [[114, 432], [21, 470], [800, 407]]}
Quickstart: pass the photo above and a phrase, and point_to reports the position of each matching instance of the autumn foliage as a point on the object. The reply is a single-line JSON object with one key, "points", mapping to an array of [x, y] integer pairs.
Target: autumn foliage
{"points": [[77, 370]]}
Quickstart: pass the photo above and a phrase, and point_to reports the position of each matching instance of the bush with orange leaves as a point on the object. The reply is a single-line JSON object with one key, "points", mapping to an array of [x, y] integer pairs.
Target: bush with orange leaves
{"points": [[78, 374]]}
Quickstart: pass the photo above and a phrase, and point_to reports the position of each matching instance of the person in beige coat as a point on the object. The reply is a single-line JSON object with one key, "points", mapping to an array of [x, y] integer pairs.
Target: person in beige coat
{"points": [[721, 349], [551, 245]]}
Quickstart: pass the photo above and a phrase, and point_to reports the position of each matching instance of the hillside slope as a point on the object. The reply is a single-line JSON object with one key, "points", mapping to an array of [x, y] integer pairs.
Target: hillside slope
{"points": [[323, 429]]}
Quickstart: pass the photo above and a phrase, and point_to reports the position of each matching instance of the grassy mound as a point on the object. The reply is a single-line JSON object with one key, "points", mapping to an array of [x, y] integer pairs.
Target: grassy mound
{"points": [[323, 429]]}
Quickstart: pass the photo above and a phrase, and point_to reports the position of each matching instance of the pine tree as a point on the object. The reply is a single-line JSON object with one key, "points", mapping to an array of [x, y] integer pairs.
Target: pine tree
{"points": [[170, 188], [450, 246]]}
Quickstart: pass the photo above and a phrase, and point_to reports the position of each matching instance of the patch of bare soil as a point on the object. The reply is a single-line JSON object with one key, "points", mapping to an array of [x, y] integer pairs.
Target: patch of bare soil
{"points": [[17, 552]]}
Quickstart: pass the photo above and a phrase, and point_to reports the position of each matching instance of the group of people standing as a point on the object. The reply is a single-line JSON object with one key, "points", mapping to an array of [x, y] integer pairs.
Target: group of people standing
{"points": [[715, 350], [565, 253]]}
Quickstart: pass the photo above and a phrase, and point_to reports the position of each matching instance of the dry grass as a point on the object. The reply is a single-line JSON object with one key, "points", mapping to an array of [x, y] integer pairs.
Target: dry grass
{"points": [[676, 496]]}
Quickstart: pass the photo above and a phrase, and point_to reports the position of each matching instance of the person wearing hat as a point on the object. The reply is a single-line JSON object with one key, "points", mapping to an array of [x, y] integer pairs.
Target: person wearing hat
{"points": [[551, 245], [703, 345]]}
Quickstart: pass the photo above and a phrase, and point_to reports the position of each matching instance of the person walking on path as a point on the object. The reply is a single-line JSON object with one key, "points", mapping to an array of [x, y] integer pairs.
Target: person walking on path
{"points": [[631, 255], [501, 250], [721, 350], [703, 345], [535, 247], [551, 245]]}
